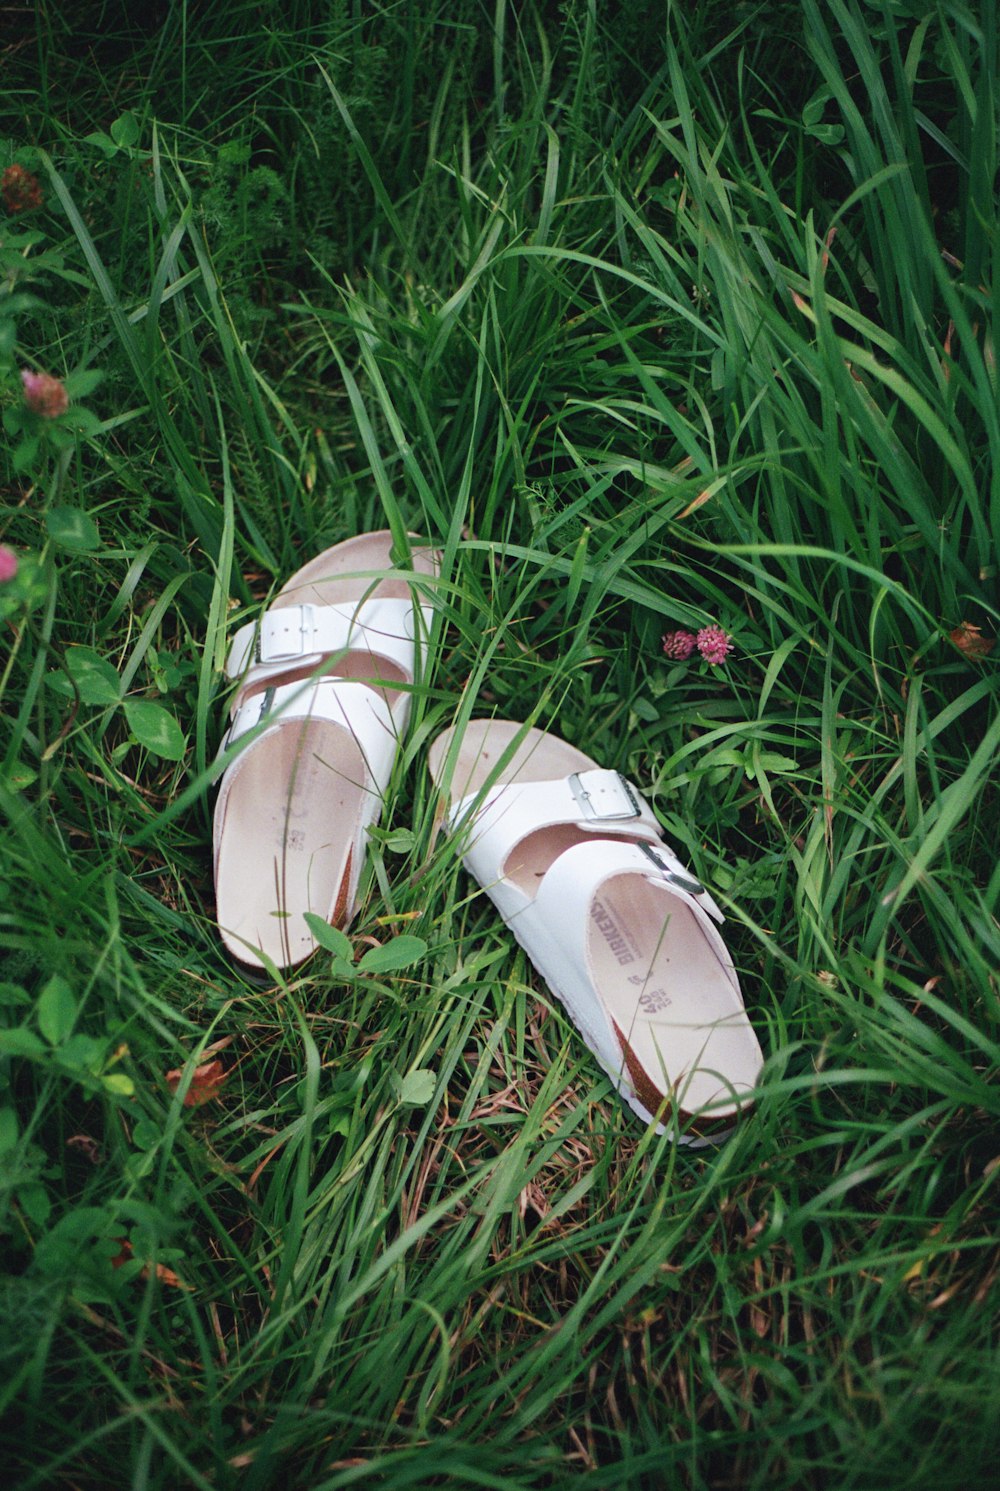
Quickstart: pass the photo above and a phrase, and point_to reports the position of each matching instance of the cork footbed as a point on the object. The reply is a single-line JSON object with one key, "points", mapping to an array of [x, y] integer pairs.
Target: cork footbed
{"points": [[679, 1019], [670, 997], [294, 804]]}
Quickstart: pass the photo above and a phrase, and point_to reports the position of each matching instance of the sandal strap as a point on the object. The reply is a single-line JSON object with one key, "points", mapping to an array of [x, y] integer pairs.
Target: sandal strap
{"points": [[350, 706], [302, 635], [598, 801], [576, 877]]}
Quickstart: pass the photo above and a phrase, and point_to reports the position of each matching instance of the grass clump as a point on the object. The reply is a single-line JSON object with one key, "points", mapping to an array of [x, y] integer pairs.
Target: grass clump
{"points": [[683, 323]]}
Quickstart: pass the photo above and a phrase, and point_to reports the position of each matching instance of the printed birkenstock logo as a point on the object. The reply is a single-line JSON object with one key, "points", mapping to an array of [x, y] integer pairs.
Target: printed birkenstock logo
{"points": [[620, 945]]}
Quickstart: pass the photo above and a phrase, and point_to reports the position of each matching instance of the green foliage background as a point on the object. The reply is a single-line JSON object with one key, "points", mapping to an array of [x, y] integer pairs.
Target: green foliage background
{"points": [[649, 317]]}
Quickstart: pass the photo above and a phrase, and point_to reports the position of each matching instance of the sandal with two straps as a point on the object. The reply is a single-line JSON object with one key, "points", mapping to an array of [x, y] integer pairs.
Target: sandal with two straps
{"points": [[325, 684], [624, 935]]}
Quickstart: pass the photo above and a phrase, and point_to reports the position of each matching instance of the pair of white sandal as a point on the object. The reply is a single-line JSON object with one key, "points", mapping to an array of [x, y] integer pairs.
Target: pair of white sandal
{"points": [[570, 854]]}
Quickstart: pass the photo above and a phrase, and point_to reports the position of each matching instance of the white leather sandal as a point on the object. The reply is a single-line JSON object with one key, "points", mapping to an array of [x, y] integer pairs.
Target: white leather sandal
{"points": [[573, 859], [322, 674]]}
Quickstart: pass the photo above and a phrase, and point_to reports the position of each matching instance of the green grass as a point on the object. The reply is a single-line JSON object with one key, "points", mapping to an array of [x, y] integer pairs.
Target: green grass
{"points": [[646, 322]]}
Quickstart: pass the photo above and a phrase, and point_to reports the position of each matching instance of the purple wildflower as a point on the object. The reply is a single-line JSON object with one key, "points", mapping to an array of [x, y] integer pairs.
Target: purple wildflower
{"points": [[8, 564], [678, 645], [44, 394], [714, 644], [20, 189]]}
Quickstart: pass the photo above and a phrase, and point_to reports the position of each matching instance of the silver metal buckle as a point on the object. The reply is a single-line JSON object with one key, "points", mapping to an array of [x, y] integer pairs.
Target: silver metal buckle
{"points": [[242, 726], [673, 877], [633, 808], [266, 651]]}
